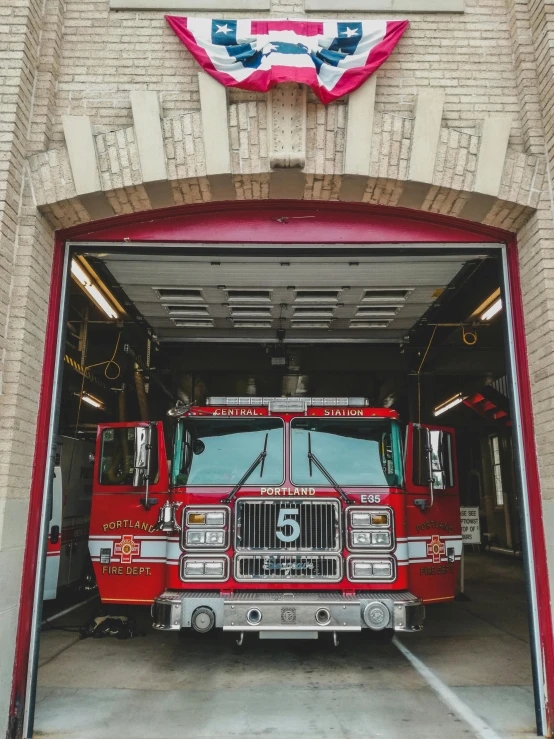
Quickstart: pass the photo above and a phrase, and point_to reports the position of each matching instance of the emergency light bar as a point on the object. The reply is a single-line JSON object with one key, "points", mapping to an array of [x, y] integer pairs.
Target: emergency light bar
{"points": [[288, 403]]}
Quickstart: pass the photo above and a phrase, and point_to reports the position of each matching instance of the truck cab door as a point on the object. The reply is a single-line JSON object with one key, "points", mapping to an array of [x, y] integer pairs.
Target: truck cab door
{"points": [[130, 484], [433, 512]]}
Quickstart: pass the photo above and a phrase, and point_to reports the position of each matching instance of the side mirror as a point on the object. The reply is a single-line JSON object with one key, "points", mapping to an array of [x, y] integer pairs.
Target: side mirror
{"points": [[423, 465], [421, 452], [143, 455], [188, 449], [198, 446], [441, 459], [386, 453], [433, 461]]}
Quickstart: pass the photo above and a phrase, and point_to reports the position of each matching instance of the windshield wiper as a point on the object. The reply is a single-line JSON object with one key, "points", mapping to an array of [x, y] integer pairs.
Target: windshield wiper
{"points": [[324, 471], [260, 458]]}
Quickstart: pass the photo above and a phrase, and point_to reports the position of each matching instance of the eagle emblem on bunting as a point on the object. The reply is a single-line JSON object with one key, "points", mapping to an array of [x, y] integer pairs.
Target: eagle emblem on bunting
{"points": [[332, 57]]}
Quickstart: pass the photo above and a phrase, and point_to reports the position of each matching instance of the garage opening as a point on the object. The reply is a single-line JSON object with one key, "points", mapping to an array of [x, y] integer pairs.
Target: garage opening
{"points": [[420, 331]]}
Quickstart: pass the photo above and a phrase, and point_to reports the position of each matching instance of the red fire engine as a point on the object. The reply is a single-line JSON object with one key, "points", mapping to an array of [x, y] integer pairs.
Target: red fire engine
{"points": [[283, 516]]}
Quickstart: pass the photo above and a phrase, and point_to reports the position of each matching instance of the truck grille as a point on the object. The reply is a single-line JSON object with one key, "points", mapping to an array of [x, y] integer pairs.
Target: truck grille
{"points": [[286, 567], [318, 525]]}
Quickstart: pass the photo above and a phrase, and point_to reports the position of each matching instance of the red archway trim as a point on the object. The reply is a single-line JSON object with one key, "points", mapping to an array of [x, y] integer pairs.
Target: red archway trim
{"points": [[273, 221], [281, 222]]}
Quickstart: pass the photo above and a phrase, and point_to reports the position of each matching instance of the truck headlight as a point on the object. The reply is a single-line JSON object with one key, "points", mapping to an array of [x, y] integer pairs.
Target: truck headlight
{"points": [[381, 538], [208, 518], [371, 569], [215, 518], [204, 568], [360, 519], [365, 519], [382, 570], [362, 570], [206, 527], [216, 538], [196, 538], [196, 516], [361, 538], [214, 569], [193, 569], [379, 519], [370, 528], [370, 539]]}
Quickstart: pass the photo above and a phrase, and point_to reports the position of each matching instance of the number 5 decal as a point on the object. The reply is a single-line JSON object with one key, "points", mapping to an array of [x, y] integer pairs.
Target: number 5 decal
{"points": [[284, 521]]}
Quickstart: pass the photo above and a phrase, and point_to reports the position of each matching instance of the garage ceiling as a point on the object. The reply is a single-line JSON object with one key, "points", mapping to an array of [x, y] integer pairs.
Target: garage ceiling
{"points": [[326, 298]]}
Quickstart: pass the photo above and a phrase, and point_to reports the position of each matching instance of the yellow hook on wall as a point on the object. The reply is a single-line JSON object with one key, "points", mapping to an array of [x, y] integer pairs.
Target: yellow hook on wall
{"points": [[469, 337]]}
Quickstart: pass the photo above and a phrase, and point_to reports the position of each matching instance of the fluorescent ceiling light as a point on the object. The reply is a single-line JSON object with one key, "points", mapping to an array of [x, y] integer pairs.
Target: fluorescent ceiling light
{"points": [[495, 308], [78, 273], [486, 304], [91, 401], [86, 283], [101, 301], [448, 404]]}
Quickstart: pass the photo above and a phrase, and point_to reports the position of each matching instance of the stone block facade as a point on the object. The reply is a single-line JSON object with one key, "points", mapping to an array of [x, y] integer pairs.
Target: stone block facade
{"points": [[487, 70], [253, 128]]}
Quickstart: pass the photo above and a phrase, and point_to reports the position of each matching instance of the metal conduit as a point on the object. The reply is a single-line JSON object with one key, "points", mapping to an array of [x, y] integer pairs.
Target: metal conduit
{"points": [[141, 394]]}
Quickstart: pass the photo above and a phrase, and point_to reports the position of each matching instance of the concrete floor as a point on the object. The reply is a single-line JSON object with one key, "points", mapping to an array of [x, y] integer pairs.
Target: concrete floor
{"points": [[166, 685]]}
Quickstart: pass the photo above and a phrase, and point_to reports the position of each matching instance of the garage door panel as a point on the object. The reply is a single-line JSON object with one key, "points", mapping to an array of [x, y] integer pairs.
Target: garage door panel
{"points": [[256, 274], [209, 294], [360, 251], [343, 297]]}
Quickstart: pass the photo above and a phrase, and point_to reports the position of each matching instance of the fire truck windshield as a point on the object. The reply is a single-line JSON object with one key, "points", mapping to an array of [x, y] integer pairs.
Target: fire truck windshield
{"points": [[210, 451], [357, 452]]}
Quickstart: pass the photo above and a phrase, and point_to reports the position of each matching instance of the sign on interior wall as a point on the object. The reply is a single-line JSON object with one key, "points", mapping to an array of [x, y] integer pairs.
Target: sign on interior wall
{"points": [[332, 57], [471, 533]]}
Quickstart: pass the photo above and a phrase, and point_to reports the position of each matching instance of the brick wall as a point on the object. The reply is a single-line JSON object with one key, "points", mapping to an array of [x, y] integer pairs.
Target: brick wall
{"points": [[25, 256], [67, 57], [531, 25], [105, 54]]}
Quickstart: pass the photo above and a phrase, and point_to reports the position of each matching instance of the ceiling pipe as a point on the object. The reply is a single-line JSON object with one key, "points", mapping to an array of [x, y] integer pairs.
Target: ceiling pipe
{"points": [[141, 393]]}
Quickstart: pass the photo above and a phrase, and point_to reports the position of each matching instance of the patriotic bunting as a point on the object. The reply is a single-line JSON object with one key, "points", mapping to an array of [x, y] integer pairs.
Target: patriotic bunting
{"points": [[332, 57]]}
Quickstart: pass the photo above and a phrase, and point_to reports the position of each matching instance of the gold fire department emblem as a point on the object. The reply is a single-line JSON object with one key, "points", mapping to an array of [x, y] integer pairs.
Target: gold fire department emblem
{"points": [[127, 548], [436, 548]]}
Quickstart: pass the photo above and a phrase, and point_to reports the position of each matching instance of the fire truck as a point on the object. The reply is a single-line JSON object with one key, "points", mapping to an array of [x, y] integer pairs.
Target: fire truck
{"points": [[285, 517]]}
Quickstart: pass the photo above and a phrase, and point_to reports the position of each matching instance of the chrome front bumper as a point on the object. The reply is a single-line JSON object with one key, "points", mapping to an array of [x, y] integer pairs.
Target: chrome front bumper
{"points": [[271, 613]]}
